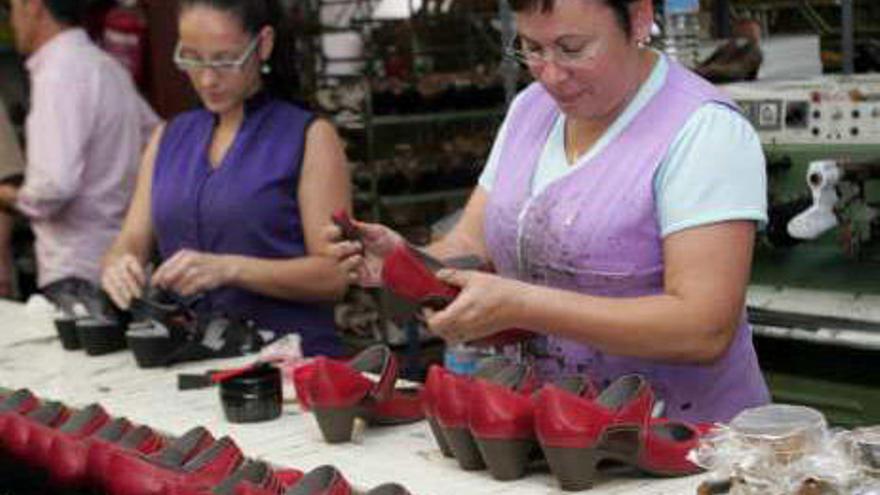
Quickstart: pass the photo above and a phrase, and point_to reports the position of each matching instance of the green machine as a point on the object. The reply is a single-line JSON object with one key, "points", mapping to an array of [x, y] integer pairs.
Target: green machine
{"points": [[814, 301]]}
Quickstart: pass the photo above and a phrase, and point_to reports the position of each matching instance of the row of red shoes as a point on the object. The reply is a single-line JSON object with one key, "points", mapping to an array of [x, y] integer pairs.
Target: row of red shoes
{"points": [[62, 449], [501, 418]]}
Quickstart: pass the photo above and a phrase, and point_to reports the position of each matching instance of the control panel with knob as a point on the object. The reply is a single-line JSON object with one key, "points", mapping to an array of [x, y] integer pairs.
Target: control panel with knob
{"points": [[825, 110]]}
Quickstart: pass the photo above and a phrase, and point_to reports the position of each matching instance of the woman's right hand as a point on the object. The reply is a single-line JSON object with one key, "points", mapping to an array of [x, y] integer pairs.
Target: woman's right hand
{"points": [[123, 280], [362, 259]]}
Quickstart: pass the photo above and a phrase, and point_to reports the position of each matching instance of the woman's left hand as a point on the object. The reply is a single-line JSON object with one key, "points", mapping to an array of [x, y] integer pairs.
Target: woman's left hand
{"points": [[486, 305], [191, 272]]}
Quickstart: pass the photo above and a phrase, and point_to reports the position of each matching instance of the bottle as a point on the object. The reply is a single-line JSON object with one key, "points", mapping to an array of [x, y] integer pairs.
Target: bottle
{"points": [[463, 359], [683, 30]]}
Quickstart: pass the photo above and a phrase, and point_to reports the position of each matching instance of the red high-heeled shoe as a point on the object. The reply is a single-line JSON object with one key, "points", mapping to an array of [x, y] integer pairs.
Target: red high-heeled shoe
{"points": [[338, 392], [18, 403], [323, 480], [664, 447], [18, 430], [452, 399], [78, 426], [436, 380], [571, 429], [503, 425], [69, 456], [207, 472], [136, 474], [21, 401], [410, 273], [251, 478], [141, 440], [302, 375]]}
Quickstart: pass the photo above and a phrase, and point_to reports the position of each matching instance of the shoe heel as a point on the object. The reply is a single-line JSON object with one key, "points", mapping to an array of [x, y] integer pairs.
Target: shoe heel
{"points": [[336, 424], [575, 469], [464, 448], [507, 459], [440, 438]]}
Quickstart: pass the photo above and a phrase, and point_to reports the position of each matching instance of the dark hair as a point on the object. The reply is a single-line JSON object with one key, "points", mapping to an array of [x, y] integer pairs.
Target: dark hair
{"points": [[620, 7], [70, 12], [283, 80]]}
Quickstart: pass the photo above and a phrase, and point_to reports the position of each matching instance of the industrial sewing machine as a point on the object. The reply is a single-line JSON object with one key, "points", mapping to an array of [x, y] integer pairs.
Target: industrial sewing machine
{"points": [[814, 301], [827, 130]]}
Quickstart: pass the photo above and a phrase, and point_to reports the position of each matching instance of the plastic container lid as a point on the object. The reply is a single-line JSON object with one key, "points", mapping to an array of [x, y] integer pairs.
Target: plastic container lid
{"points": [[791, 431]]}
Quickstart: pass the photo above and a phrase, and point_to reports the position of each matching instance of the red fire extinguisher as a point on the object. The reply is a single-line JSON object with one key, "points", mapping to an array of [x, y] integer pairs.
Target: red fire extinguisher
{"points": [[125, 37]]}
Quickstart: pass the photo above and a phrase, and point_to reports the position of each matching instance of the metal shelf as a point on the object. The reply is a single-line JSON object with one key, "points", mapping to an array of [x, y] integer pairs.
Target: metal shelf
{"points": [[410, 199], [415, 198], [421, 118]]}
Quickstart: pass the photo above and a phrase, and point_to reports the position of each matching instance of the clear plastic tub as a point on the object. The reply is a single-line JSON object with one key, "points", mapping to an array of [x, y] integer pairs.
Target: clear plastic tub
{"points": [[790, 432]]}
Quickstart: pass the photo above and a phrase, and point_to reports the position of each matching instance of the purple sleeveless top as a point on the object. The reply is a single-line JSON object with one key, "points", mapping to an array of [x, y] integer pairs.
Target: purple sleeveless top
{"points": [[247, 206], [595, 231]]}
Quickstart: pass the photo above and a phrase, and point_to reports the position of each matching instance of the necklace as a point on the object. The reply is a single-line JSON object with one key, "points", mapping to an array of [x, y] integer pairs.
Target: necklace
{"points": [[572, 153], [570, 131]]}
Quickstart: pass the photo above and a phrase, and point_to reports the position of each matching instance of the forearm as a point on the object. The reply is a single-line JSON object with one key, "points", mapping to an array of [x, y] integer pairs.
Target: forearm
{"points": [[308, 278], [664, 327], [123, 246]]}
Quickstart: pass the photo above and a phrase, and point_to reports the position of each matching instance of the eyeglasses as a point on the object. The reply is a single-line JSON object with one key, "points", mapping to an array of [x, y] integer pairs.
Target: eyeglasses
{"points": [[189, 64], [569, 52]]}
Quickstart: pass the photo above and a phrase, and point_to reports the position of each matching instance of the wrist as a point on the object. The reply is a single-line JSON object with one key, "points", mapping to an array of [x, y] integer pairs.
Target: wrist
{"points": [[232, 268], [521, 308]]}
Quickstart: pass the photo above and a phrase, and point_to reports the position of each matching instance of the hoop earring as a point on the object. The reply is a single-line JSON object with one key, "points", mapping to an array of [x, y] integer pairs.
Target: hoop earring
{"points": [[266, 69]]}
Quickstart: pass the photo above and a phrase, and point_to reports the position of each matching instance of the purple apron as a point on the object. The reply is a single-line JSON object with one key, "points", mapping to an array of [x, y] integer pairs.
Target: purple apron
{"points": [[595, 231]]}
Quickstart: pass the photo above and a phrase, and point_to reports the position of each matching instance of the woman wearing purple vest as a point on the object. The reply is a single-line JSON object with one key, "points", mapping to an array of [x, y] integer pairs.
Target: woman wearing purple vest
{"points": [[619, 209], [235, 194]]}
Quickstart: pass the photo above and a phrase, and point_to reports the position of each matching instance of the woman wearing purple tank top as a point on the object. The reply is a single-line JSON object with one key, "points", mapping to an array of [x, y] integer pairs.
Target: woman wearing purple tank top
{"points": [[583, 262], [235, 194]]}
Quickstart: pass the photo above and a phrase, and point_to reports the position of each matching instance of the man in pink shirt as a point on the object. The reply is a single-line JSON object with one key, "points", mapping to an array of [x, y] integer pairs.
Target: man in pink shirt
{"points": [[85, 132]]}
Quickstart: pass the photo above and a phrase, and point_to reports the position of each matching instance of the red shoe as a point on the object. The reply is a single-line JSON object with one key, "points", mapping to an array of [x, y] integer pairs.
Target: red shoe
{"points": [[410, 273], [664, 446], [452, 399], [436, 381], [141, 440], [338, 392], [323, 480], [69, 456], [503, 425], [18, 430], [16, 404], [253, 478], [78, 426], [302, 376], [572, 429], [137, 474], [224, 462]]}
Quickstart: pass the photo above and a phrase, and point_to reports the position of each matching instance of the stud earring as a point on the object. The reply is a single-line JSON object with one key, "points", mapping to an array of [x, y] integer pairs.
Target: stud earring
{"points": [[266, 68]]}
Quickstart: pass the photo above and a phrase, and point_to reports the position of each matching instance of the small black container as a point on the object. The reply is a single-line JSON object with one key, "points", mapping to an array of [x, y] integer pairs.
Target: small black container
{"points": [[252, 396], [66, 328], [99, 337]]}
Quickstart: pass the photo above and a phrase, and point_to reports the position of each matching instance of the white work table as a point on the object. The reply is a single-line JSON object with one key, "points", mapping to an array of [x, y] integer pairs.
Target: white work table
{"points": [[31, 357]]}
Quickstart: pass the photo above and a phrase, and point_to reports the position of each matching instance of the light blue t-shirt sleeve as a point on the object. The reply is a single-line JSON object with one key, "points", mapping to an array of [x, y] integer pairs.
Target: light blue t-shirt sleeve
{"points": [[490, 170], [714, 171]]}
